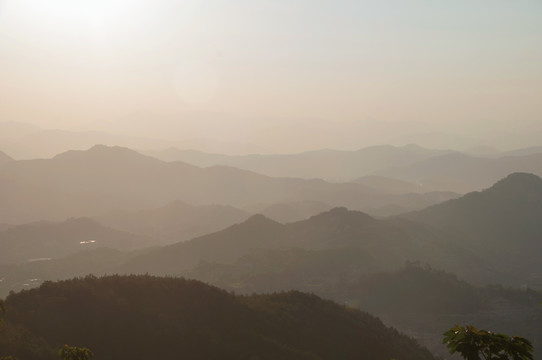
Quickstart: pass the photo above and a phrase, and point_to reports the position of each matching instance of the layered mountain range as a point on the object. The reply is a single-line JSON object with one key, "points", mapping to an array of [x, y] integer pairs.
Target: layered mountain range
{"points": [[111, 210], [403, 169], [102, 179]]}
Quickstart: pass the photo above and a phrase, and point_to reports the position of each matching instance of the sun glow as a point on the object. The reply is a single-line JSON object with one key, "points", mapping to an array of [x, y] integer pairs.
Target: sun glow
{"points": [[58, 20]]}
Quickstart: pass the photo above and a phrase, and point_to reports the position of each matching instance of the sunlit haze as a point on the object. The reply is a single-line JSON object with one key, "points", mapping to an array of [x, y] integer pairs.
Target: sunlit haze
{"points": [[282, 76]]}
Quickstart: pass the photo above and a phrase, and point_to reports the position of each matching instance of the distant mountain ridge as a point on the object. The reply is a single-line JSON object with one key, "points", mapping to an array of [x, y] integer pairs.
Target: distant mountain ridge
{"points": [[101, 179], [463, 173], [26, 141], [330, 165], [390, 169]]}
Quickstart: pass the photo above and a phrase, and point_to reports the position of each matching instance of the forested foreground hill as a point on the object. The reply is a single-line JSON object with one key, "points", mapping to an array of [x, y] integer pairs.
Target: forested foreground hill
{"points": [[145, 317]]}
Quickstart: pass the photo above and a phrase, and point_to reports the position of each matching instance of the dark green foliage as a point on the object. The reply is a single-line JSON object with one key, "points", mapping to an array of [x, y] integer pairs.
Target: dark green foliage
{"points": [[18, 340], [474, 344], [74, 353], [2, 311], [145, 317], [331, 331]]}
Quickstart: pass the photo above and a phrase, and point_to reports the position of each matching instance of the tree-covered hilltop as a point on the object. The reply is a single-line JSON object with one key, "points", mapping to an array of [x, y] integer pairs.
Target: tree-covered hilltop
{"points": [[145, 317]]}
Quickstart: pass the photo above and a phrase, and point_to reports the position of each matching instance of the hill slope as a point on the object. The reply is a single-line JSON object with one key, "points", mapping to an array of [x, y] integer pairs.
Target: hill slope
{"points": [[502, 224]]}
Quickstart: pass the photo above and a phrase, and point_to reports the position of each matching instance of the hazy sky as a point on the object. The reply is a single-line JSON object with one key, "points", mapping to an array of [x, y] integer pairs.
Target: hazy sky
{"points": [[251, 70]]}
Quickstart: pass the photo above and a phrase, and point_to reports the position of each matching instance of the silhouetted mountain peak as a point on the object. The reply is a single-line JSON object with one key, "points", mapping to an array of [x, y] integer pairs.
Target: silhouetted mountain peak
{"points": [[259, 220], [414, 147], [518, 183], [101, 148], [103, 152], [341, 215], [339, 210]]}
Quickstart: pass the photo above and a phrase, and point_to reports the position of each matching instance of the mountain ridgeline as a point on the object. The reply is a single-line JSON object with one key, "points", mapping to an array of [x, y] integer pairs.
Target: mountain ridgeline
{"points": [[409, 168], [464, 173], [120, 178], [385, 243], [144, 317], [331, 165]]}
